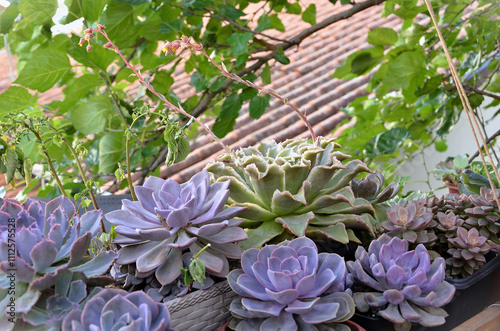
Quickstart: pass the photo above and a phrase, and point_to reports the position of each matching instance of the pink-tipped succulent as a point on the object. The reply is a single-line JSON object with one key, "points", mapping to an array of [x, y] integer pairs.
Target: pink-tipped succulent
{"points": [[410, 222], [468, 252]]}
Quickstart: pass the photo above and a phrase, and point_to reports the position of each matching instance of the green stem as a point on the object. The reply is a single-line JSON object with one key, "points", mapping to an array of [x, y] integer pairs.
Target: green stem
{"points": [[201, 251], [49, 161], [129, 175]]}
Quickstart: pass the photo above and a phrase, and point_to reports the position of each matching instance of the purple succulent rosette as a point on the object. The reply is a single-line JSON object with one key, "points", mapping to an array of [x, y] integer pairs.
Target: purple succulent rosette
{"points": [[169, 218], [115, 310], [403, 285], [289, 286], [51, 242]]}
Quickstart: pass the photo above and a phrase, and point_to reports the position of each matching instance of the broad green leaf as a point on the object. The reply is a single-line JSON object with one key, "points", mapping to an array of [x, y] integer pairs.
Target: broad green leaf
{"points": [[78, 89], [100, 58], [74, 11], [440, 145], [198, 81], [239, 42], [92, 116], [162, 82], [14, 100], [281, 57], [258, 105], [228, 115], [293, 8], [92, 9], [12, 163], [276, 23], [309, 15], [406, 70], [266, 74], [387, 142], [359, 63], [119, 22], [132, 2], [44, 69], [494, 86], [382, 36], [38, 12], [263, 23], [230, 12], [111, 149], [7, 17]]}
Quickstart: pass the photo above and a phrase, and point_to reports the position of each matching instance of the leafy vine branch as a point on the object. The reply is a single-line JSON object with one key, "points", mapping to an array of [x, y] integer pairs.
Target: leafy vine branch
{"points": [[207, 97]]}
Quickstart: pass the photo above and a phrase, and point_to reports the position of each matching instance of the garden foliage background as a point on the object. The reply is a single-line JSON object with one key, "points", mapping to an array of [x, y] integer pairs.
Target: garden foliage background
{"points": [[409, 103]]}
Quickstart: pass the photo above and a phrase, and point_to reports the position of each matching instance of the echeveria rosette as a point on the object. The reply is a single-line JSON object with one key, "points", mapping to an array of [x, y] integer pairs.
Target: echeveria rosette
{"points": [[169, 218], [410, 222], [289, 286], [468, 252], [402, 286], [51, 242], [295, 188], [115, 310], [372, 188], [484, 214]]}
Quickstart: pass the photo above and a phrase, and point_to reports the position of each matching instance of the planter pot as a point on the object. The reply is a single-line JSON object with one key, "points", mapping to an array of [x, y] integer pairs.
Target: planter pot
{"points": [[353, 326], [473, 294], [203, 310], [452, 187]]}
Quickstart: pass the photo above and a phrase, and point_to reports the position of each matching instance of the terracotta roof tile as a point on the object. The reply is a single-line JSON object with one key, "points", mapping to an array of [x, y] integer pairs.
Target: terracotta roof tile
{"points": [[306, 82]]}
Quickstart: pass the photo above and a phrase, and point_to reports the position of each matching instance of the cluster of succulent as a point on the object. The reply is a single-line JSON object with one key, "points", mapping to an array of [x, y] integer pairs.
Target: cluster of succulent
{"points": [[51, 254], [460, 228], [169, 219], [290, 287], [295, 188], [115, 309], [400, 285]]}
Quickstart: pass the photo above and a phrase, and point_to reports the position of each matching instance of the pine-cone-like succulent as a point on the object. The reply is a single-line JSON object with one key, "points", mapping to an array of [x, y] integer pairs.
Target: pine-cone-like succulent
{"points": [[295, 188], [288, 287], [468, 251], [50, 246], [372, 189], [410, 222], [402, 285], [118, 310], [169, 218]]}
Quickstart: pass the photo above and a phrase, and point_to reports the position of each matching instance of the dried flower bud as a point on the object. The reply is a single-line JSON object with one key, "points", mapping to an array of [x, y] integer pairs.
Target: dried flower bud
{"points": [[108, 45], [89, 48], [185, 39], [100, 27], [88, 31], [82, 41], [198, 47]]}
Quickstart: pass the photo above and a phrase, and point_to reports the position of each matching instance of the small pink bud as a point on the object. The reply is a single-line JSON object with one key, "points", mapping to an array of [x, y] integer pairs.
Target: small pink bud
{"points": [[88, 31], [82, 41], [175, 46], [108, 45], [100, 27], [167, 47], [89, 36], [185, 39], [89, 48]]}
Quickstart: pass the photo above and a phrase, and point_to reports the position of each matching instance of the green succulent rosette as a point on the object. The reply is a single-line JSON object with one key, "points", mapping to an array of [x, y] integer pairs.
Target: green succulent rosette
{"points": [[295, 188]]}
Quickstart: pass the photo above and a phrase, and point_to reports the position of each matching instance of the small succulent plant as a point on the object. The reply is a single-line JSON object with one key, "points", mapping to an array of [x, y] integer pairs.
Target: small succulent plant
{"points": [[410, 222], [115, 310], [468, 252], [448, 224], [295, 188], [289, 286], [372, 189], [52, 247], [484, 214], [401, 286], [169, 218]]}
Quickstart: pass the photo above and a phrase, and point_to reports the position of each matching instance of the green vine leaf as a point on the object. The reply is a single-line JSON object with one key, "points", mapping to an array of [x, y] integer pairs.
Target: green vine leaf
{"points": [[44, 70], [38, 12], [309, 15], [14, 100], [111, 150], [92, 116]]}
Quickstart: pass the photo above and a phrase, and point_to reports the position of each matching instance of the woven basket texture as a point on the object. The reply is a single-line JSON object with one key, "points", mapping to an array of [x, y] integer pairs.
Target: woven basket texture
{"points": [[204, 310]]}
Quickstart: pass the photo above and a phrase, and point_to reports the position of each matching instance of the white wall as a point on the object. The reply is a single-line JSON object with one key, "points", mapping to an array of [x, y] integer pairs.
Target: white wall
{"points": [[460, 141]]}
